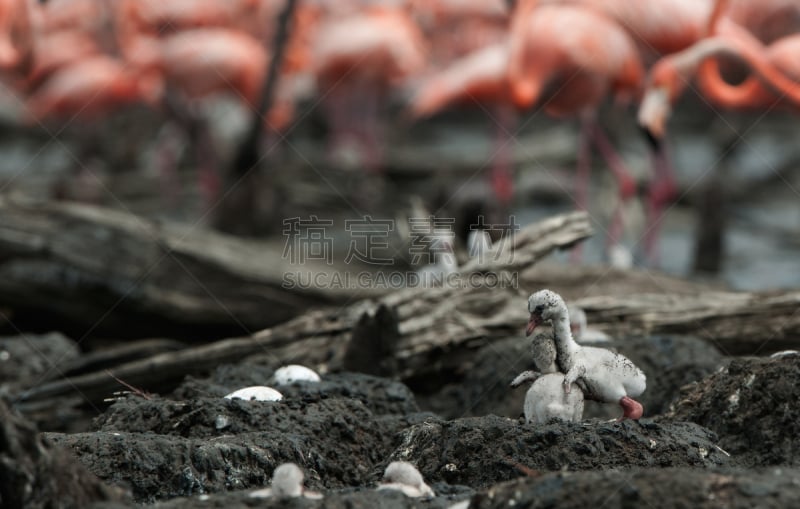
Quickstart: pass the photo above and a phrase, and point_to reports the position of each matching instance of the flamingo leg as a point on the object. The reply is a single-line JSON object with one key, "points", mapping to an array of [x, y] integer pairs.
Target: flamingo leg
{"points": [[352, 115], [336, 106], [582, 176], [372, 134], [206, 161], [627, 185], [631, 409], [166, 154], [201, 142], [501, 174], [661, 192]]}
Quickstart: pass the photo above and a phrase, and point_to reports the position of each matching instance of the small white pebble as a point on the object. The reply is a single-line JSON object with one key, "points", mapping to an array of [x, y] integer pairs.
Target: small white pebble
{"points": [[256, 393], [723, 451], [464, 504], [262, 493], [221, 422], [733, 400], [4, 355], [286, 375], [203, 498]]}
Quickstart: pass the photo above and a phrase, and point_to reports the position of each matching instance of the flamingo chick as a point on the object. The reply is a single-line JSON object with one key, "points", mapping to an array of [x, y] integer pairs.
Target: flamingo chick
{"points": [[403, 476], [287, 482], [607, 376], [546, 398]]}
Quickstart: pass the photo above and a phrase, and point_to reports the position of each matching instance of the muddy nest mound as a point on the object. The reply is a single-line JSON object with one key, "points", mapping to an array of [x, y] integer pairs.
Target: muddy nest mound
{"points": [[752, 406], [481, 451], [363, 498], [165, 448], [664, 488], [34, 473], [380, 395]]}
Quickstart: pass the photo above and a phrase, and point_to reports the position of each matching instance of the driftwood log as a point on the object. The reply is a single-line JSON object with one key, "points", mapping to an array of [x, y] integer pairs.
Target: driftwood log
{"points": [[425, 335], [88, 270], [422, 331], [738, 323]]}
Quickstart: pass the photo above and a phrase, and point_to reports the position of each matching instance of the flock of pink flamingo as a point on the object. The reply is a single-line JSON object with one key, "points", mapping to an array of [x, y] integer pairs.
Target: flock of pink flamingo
{"points": [[81, 59]]}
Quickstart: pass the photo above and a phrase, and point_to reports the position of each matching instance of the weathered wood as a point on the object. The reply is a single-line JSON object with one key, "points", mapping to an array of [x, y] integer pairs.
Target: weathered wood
{"points": [[84, 269], [430, 321], [164, 370], [439, 327], [576, 282], [116, 355], [736, 322]]}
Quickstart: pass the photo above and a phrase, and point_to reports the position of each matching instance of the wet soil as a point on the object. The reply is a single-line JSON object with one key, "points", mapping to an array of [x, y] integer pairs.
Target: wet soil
{"points": [[193, 447], [481, 451], [752, 406], [664, 488]]}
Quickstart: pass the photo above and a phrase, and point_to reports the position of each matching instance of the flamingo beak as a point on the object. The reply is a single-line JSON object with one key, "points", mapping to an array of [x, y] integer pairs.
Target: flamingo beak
{"points": [[533, 323], [654, 111]]}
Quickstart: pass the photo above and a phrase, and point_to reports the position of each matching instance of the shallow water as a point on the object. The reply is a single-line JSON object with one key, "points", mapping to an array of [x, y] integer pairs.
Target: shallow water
{"points": [[762, 244]]}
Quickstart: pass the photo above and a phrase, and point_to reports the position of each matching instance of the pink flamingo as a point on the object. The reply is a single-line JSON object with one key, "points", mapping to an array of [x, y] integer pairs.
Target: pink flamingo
{"points": [[568, 59], [357, 58]]}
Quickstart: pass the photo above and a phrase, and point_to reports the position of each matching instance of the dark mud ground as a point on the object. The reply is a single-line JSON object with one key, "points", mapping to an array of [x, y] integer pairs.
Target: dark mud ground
{"points": [[716, 433]]}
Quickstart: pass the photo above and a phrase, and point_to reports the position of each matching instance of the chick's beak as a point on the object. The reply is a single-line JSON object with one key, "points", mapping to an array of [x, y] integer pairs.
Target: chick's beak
{"points": [[534, 321]]}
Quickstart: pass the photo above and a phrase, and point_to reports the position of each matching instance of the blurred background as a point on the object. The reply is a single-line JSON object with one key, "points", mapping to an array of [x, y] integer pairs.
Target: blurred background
{"points": [[240, 115]]}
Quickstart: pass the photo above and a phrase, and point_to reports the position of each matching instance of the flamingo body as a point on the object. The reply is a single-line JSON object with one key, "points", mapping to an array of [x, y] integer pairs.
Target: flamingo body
{"points": [[569, 58], [481, 77], [88, 89]]}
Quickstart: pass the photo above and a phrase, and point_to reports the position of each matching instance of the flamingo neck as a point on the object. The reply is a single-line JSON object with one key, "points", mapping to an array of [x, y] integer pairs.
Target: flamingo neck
{"points": [[746, 50], [566, 347], [748, 92], [720, 6], [525, 83], [526, 87]]}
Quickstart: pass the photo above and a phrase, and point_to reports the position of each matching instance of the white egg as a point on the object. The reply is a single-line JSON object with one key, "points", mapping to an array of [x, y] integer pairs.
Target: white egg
{"points": [[256, 393], [286, 375]]}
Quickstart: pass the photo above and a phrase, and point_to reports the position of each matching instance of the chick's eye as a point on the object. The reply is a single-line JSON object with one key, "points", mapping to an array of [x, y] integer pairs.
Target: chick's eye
{"points": [[538, 309]]}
